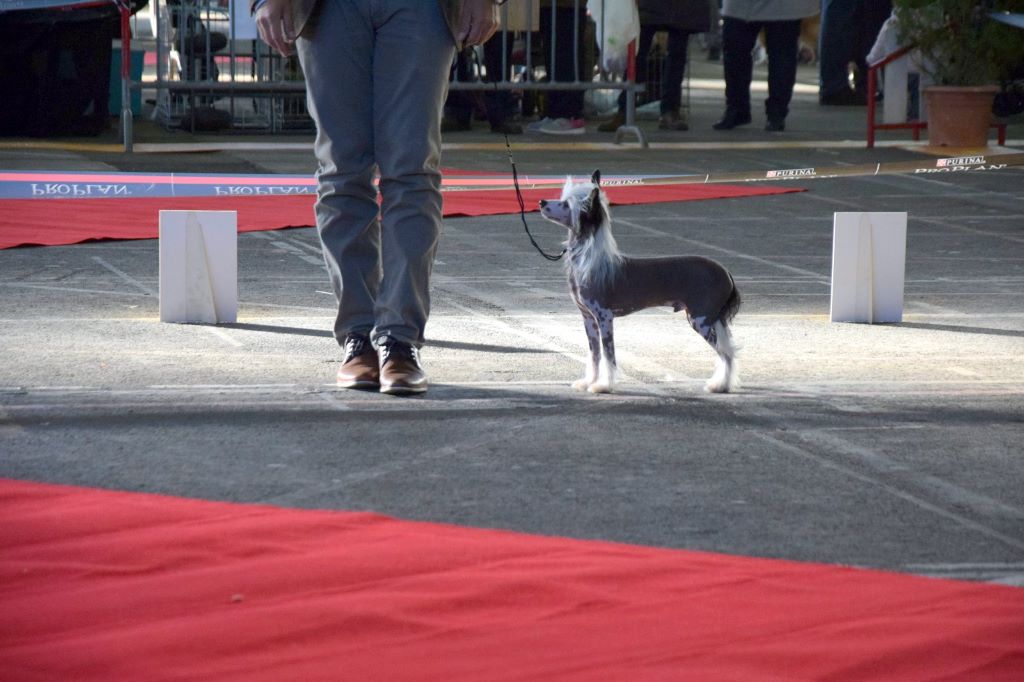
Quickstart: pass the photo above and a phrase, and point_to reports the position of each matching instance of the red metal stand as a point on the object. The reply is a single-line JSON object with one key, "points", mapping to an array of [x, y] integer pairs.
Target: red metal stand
{"points": [[914, 126]]}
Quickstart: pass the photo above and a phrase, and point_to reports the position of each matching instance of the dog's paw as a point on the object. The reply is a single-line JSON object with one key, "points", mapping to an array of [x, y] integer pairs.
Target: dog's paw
{"points": [[717, 386], [581, 384], [600, 387]]}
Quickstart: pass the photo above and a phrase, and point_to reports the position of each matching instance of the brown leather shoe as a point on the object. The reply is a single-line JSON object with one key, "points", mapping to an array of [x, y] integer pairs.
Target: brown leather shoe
{"points": [[400, 370], [360, 367]]}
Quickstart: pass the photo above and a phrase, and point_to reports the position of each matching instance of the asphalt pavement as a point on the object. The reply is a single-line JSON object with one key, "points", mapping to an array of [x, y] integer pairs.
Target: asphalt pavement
{"points": [[896, 446]]}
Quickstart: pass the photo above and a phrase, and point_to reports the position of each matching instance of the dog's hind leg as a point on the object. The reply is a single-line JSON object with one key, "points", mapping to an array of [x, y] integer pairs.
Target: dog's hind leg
{"points": [[719, 337], [726, 376], [594, 339]]}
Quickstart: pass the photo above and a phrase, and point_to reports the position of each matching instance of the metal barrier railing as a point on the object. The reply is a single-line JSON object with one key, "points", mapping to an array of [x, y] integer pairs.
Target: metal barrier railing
{"points": [[209, 78]]}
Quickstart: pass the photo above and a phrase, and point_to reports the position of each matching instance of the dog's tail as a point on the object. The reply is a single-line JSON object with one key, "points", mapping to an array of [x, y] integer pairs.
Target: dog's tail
{"points": [[732, 304]]}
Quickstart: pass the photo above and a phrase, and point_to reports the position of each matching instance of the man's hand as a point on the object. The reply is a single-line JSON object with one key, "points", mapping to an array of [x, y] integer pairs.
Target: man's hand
{"points": [[479, 21], [274, 21]]}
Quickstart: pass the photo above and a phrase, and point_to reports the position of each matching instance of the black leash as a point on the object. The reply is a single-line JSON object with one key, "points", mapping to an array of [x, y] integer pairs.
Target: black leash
{"points": [[522, 204]]}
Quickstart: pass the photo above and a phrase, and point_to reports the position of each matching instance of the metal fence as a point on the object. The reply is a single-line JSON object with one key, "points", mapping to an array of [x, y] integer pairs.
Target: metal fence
{"points": [[208, 77]]}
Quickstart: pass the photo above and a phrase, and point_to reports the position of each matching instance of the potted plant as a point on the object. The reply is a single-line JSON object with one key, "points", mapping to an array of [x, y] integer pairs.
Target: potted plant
{"points": [[966, 54]]}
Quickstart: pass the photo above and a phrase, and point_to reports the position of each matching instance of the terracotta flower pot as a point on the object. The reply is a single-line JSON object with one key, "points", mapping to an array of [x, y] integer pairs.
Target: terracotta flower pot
{"points": [[959, 116]]}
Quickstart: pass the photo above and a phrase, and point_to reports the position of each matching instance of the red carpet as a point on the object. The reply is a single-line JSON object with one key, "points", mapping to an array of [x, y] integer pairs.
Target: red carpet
{"points": [[51, 222], [99, 585]]}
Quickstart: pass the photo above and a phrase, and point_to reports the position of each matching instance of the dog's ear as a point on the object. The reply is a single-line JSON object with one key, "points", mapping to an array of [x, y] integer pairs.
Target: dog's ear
{"points": [[592, 215], [596, 177], [567, 187]]}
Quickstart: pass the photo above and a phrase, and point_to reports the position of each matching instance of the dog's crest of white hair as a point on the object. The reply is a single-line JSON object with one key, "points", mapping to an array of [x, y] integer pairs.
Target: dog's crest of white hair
{"points": [[595, 258]]}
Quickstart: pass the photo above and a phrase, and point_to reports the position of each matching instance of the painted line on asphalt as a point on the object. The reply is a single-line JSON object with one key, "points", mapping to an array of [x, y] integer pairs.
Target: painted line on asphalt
{"points": [[833, 201], [971, 230], [76, 290], [295, 251], [223, 336], [1002, 573], [1009, 578], [892, 490], [951, 493], [333, 401], [1011, 574], [403, 460], [312, 248], [816, 276], [515, 331], [126, 277]]}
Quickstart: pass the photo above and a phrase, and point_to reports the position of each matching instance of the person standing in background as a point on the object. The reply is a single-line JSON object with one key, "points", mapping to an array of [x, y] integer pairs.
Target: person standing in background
{"points": [[848, 30], [501, 106], [742, 21], [564, 111], [376, 79], [714, 34], [679, 19]]}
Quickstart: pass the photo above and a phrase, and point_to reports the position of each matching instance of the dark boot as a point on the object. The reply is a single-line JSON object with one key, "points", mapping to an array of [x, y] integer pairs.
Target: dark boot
{"points": [[732, 119]]}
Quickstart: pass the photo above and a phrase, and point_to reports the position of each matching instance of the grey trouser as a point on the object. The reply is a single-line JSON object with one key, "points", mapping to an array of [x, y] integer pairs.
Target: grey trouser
{"points": [[376, 77]]}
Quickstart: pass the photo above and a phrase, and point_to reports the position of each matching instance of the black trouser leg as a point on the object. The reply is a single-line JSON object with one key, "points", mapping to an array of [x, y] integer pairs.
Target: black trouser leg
{"points": [[782, 40], [563, 103], [497, 58], [675, 67], [459, 104], [738, 38]]}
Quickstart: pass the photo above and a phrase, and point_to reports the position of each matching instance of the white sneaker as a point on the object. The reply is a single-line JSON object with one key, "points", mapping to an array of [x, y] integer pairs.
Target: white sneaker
{"points": [[538, 124], [563, 126]]}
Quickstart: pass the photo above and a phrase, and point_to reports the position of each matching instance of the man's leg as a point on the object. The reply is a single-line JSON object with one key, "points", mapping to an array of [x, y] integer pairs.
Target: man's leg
{"points": [[411, 58], [336, 53], [563, 103], [675, 68], [501, 105], [782, 39], [458, 107], [873, 14], [838, 31], [738, 38]]}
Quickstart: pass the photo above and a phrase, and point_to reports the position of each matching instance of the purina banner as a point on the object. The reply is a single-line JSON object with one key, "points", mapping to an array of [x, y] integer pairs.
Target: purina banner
{"points": [[51, 185]]}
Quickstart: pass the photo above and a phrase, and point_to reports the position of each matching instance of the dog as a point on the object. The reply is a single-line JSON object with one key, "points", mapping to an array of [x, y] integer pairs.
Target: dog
{"points": [[605, 284]]}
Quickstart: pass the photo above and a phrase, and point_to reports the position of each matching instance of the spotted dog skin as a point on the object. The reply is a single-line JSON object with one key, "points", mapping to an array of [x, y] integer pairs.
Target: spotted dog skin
{"points": [[597, 320], [606, 284]]}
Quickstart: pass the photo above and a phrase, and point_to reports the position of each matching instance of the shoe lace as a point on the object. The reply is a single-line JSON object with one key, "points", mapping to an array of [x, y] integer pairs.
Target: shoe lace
{"points": [[355, 344], [398, 350]]}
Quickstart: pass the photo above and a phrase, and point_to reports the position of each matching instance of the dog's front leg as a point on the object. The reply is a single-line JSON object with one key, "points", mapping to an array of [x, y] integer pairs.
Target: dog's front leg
{"points": [[594, 339], [607, 369]]}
